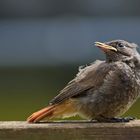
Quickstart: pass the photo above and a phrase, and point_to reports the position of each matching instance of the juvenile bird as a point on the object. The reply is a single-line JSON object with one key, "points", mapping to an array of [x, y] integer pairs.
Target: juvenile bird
{"points": [[102, 91]]}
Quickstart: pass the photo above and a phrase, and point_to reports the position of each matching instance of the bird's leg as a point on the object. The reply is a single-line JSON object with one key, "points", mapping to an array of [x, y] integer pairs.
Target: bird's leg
{"points": [[115, 119]]}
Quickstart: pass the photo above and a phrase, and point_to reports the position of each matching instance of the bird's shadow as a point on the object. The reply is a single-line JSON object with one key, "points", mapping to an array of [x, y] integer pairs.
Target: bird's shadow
{"points": [[68, 121]]}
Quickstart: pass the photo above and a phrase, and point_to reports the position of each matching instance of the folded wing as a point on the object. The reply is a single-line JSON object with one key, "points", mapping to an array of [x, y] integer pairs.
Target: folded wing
{"points": [[89, 77]]}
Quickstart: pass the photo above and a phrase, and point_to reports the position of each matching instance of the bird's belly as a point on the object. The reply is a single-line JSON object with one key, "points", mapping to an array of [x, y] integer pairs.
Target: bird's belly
{"points": [[94, 105]]}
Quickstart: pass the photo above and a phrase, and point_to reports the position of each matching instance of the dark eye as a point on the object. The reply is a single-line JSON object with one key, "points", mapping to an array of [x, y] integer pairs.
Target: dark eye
{"points": [[121, 45]]}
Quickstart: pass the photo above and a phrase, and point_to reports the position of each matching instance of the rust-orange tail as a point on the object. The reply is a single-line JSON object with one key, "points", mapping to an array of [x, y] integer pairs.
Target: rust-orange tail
{"points": [[65, 109], [39, 115]]}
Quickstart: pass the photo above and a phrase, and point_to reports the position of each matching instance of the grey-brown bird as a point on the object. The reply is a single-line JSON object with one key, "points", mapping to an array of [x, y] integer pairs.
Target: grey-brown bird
{"points": [[103, 90]]}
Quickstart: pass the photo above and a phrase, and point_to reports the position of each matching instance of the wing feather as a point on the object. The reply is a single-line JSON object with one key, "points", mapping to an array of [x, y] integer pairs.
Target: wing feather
{"points": [[89, 77]]}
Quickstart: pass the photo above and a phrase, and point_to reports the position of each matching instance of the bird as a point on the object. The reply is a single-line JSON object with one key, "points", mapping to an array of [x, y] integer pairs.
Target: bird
{"points": [[102, 91]]}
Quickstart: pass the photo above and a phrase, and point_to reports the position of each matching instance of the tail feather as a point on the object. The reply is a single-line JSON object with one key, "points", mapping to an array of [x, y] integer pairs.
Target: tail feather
{"points": [[45, 112], [65, 109]]}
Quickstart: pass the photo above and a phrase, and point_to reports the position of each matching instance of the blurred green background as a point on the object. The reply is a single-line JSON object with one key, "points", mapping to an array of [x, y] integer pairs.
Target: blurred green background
{"points": [[42, 43]]}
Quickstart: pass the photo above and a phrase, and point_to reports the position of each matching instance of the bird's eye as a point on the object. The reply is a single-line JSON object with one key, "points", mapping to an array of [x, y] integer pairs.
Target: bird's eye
{"points": [[121, 45]]}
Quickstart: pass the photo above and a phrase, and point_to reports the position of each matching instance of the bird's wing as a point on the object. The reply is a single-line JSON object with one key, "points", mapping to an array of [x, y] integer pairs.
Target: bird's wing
{"points": [[90, 77]]}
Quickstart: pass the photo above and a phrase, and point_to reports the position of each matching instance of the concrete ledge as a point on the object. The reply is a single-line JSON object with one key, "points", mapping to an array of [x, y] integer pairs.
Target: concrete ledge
{"points": [[71, 130]]}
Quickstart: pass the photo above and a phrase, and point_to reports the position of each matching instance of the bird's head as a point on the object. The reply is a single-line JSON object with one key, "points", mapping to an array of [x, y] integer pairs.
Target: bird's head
{"points": [[118, 50]]}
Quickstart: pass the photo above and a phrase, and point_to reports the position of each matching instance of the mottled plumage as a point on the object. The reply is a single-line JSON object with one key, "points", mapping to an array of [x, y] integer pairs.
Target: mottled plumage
{"points": [[103, 90]]}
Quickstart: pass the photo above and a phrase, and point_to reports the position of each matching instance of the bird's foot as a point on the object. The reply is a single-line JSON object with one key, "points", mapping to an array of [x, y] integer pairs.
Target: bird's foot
{"points": [[117, 119]]}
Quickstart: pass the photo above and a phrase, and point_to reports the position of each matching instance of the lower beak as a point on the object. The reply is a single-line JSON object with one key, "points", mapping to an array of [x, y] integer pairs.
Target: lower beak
{"points": [[105, 47]]}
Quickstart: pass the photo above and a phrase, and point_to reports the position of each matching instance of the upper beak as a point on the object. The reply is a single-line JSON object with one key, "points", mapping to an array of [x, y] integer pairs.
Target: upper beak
{"points": [[105, 46]]}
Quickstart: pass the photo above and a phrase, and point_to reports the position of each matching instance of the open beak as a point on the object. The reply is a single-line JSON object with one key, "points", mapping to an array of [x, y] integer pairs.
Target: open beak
{"points": [[105, 47]]}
